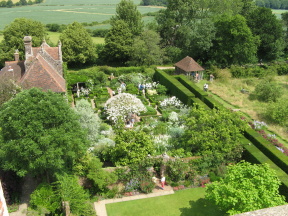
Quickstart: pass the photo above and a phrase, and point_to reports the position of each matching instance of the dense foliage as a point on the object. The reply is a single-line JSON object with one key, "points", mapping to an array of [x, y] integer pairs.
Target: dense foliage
{"points": [[268, 91], [14, 34], [131, 147], [77, 45], [43, 131], [245, 188], [214, 135]]}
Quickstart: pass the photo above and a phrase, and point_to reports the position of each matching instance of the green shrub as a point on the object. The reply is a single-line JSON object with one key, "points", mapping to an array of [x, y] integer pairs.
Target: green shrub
{"points": [[44, 199], [281, 68], [268, 90], [161, 89], [150, 111], [147, 186], [176, 170], [277, 112]]}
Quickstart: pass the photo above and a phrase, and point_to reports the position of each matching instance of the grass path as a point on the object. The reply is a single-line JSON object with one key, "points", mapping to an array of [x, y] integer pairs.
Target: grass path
{"points": [[189, 202], [228, 93]]}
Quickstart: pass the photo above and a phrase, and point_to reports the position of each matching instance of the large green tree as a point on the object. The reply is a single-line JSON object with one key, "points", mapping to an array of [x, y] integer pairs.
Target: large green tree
{"points": [[127, 12], [264, 23], [118, 43], [8, 89], [146, 50], [14, 34], [77, 45], [214, 135], [234, 42], [245, 188], [41, 134]]}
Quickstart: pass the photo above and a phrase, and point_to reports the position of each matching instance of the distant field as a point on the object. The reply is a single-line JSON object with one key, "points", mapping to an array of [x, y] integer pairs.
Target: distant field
{"points": [[279, 12], [67, 11]]}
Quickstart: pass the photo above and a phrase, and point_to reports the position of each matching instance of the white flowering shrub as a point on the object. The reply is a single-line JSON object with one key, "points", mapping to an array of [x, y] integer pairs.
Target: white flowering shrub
{"points": [[151, 91], [83, 92], [161, 142], [89, 120], [172, 102], [152, 85], [173, 117], [118, 107], [258, 125]]}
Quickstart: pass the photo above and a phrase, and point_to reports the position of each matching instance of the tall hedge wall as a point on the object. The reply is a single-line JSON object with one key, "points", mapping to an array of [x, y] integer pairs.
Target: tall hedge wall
{"points": [[253, 155], [267, 148], [191, 86], [174, 87]]}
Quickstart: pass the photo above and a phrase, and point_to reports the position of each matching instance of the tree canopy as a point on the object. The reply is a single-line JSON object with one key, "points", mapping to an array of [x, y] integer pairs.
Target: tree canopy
{"points": [[14, 34], [77, 45], [131, 147], [127, 12], [41, 134], [245, 188], [213, 134], [264, 24], [234, 42], [146, 50], [118, 43]]}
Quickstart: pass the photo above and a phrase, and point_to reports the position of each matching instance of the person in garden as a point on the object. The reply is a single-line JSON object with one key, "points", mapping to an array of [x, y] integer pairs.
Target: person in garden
{"points": [[211, 77], [163, 182], [205, 87], [123, 86], [197, 77]]}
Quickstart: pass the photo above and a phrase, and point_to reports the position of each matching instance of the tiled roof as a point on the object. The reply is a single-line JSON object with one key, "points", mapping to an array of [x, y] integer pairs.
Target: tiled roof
{"points": [[18, 70], [188, 64], [42, 69], [42, 75], [53, 52]]}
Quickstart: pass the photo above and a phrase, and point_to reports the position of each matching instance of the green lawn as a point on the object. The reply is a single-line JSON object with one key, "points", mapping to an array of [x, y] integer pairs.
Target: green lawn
{"points": [[188, 202]]}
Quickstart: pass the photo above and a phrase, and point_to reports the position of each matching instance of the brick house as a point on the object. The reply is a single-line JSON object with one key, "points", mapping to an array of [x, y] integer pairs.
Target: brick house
{"points": [[189, 67], [42, 67]]}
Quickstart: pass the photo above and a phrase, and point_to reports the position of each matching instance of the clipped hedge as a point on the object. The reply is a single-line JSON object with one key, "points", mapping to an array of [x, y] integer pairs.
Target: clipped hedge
{"points": [[174, 87], [267, 148], [253, 155], [199, 103], [212, 103], [191, 86], [150, 111], [117, 71]]}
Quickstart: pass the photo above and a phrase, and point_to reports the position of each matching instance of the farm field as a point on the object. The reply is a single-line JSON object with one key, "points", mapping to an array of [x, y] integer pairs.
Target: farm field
{"points": [[66, 12], [188, 202]]}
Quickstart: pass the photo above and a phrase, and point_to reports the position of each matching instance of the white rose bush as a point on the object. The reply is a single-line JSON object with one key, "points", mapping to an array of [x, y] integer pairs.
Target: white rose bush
{"points": [[118, 107]]}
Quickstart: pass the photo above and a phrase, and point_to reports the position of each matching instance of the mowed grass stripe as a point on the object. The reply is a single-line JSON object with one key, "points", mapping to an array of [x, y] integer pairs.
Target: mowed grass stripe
{"points": [[188, 202]]}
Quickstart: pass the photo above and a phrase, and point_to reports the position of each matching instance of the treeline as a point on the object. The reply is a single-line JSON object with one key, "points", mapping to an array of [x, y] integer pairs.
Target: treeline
{"points": [[154, 2], [10, 3], [274, 4], [54, 27]]}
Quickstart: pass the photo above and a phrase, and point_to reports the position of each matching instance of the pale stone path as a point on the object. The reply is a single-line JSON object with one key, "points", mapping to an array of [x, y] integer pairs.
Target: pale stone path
{"points": [[100, 205]]}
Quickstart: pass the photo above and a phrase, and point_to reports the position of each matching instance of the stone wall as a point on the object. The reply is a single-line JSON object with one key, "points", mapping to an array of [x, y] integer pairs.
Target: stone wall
{"points": [[273, 211]]}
